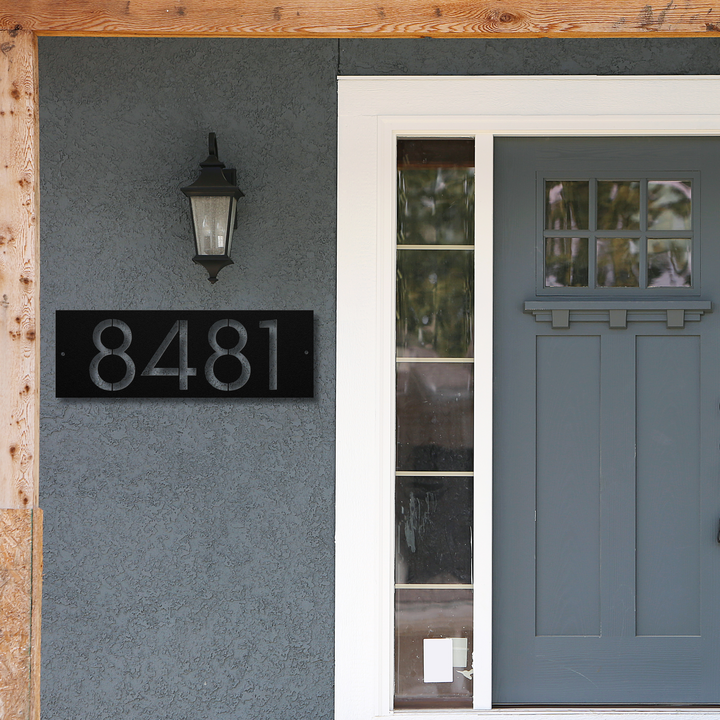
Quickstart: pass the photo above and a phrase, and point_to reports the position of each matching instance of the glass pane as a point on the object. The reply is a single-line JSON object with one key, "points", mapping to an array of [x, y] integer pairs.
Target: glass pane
{"points": [[669, 262], [432, 614], [618, 205], [435, 303], [566, 262], [435, 416], [434, 421], [433, 532], [669, 205], [618, 262], [566, 204], [211, 216], [436, 192]]}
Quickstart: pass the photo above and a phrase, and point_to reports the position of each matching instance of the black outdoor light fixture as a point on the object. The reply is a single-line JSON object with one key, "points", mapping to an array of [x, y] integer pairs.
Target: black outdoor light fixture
{"points": [[213, 202]]}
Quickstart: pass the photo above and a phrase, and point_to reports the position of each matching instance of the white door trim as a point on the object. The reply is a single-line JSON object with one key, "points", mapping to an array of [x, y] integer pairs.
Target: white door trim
{"points": [[373, 112]]}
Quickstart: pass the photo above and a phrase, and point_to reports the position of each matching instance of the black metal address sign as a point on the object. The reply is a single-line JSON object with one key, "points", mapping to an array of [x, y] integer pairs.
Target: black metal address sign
{"points": [[184, 354]]}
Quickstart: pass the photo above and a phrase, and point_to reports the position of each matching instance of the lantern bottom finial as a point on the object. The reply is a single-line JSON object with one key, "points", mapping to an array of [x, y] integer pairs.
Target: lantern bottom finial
{"points": [[213, 264]]}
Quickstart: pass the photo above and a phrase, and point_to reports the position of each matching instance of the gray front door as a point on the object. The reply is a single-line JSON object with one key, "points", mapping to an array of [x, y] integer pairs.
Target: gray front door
{"points": [[607, 484]]}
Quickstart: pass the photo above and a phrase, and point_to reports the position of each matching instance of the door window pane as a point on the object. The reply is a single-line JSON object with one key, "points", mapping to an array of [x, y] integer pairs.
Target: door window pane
{"points": [[618, 205], [566, 262], [669, 205], [618, 262], [566, 204], [669, 262]]}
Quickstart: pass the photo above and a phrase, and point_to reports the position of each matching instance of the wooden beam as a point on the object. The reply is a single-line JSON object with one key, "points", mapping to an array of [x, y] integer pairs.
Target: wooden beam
{"points": [[19, 344], [20, 519], [20, 584], [363, 18]]}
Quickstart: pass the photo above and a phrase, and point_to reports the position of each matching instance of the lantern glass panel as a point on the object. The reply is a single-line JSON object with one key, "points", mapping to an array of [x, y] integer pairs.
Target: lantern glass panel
{"points": [[231, 224], [213, 216]]}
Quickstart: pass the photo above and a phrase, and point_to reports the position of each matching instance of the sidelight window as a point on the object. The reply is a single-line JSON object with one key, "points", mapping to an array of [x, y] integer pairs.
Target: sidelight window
{"points": [[434, 423]]}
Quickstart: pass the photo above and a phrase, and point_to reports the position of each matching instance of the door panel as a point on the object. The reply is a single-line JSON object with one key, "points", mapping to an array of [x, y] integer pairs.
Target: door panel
{"points": [[667, 485], [606, 497], [568, 483]]}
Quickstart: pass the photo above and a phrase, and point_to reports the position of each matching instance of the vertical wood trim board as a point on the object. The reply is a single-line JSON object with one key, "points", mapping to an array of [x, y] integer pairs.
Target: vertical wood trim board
{"points": [[19, 263], [20, 519], [36, 612], [20, 592]]}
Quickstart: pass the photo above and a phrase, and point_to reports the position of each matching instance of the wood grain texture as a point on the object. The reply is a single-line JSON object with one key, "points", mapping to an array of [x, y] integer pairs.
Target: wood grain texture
{"points": [[36, 612], [19, 262], [362, 18], [20, 589]]}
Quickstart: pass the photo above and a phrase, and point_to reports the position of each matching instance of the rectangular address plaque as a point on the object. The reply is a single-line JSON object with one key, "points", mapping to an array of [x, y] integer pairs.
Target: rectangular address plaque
{"points": [[163, 354]]}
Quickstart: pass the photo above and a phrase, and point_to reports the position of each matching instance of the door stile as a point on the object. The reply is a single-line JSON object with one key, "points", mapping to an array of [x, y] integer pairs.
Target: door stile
{"points": [[483, 441], [617, 483]]}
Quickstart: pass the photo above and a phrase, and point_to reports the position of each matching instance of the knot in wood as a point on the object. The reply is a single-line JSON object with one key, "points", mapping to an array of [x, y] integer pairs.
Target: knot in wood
{"points": [[501, 16]]}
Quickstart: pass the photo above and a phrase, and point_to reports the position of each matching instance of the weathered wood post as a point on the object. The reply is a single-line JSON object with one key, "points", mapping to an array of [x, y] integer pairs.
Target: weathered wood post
{"points": [[20, 517]]}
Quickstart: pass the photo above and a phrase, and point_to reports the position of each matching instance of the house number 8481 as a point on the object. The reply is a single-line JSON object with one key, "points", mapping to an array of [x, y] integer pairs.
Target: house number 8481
{"points": [[182, 371]]}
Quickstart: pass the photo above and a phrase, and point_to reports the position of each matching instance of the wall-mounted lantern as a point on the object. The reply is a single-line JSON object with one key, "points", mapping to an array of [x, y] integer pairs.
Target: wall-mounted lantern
{"points": [[213, 202]]}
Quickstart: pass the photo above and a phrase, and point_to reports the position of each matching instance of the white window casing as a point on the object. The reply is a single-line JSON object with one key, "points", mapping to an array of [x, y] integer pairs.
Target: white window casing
{"points": [[373, 113]]}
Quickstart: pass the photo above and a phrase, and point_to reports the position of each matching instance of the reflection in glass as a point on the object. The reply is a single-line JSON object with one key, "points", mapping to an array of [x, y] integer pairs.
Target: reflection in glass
{"points": [[618, 262], [433, 530], [618, 205], [421, 614], [566, 262], [669, 262], [566, 204], [435, 416], [436, 191], [212, 218], [669, 205], [436, 206], [434, 303]]}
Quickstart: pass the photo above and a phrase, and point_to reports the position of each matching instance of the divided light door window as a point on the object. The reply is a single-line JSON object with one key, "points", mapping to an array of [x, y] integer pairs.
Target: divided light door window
{"points": [[610, 234]]}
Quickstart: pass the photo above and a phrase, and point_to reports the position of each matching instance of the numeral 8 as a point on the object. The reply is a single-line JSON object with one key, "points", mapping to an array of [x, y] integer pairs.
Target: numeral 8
{"points": [[117, 352], [234, 351]]}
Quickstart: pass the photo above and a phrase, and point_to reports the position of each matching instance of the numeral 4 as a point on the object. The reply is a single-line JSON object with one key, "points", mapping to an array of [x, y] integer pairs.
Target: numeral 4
{"points": [[182, 371]]}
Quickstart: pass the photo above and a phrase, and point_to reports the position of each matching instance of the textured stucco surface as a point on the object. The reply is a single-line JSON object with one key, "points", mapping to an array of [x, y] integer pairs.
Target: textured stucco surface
{"points": [[636, 56], [189, 544]]}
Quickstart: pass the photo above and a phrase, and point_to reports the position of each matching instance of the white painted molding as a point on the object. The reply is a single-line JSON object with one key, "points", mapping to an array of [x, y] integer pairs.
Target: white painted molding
{"points": [[373, 112]]}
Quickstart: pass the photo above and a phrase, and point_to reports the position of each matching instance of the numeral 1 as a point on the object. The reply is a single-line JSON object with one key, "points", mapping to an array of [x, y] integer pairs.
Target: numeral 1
{"points": [[271, 326]]}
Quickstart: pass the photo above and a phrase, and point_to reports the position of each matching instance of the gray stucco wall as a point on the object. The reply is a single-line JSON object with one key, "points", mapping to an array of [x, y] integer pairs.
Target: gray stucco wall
{"points": [[189, 544]]}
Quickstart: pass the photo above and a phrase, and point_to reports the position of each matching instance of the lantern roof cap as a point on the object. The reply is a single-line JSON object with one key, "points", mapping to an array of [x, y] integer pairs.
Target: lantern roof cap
{"points": [[214, 178]]}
